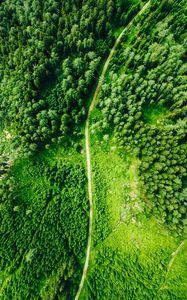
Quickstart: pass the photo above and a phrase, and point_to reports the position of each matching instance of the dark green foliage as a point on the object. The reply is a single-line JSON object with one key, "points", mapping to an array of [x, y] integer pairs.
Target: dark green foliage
{"points": [[144, 101], [50, 55]]}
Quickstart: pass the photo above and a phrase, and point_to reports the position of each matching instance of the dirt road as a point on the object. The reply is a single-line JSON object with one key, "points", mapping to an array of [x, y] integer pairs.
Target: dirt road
{"points": [[98, 88]]}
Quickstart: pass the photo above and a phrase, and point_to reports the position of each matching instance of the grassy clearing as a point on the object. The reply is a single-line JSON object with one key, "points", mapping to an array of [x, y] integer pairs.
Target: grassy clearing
{"points": [[6, 146], [119, 173], [117, 31], [114, 177], [154, 114], [148, 236], [131, 258]]}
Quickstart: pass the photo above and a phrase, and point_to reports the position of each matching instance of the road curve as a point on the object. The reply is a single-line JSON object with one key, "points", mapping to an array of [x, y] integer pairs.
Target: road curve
{"points": [[174, 254], [98, 88]]}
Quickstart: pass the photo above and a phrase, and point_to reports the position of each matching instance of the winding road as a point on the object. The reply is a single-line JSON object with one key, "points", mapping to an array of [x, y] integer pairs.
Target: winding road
{"points": [[98, 88]]}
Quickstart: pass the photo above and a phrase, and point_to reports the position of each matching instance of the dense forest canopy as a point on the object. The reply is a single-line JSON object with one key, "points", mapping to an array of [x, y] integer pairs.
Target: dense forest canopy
{"points": [[52, 53], [144, 100], [56, 43]]}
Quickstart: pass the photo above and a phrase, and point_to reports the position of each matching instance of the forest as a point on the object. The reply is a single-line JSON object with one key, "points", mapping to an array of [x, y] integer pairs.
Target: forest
{"points": [[144, 101], [52, 56]]}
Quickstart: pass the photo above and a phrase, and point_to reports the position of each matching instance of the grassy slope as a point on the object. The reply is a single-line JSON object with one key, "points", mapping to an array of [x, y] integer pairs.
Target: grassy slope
{"points": [[130, 253]]}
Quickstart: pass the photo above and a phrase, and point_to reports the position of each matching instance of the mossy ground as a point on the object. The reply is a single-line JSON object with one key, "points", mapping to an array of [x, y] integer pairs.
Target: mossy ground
{"points": [[154, 114]]}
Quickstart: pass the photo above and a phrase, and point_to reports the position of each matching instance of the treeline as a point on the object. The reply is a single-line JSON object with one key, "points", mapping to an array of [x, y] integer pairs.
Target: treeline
{"points": [[43, 230], [143, 101], [50, 54]]}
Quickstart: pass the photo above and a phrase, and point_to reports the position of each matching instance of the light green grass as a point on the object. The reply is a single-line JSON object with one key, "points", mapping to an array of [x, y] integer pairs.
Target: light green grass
{"points": [[120, 173], [154, 114], [148, 236], [6, 145], [117, 31]]}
